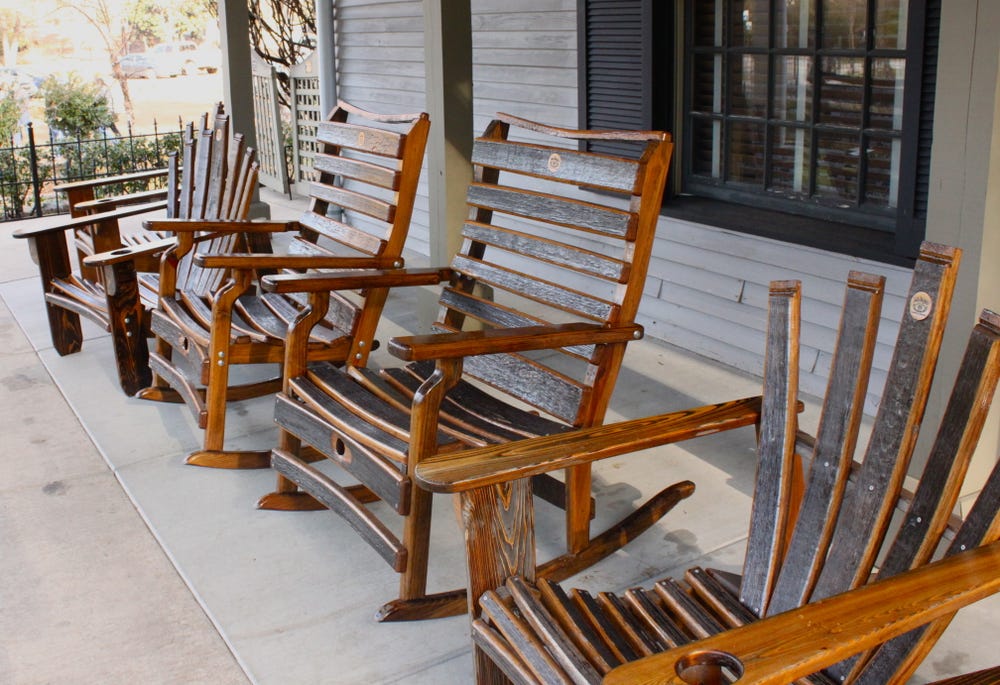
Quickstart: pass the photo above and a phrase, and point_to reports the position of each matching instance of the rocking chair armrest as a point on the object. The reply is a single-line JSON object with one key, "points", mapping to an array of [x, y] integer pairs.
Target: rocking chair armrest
{"points": [[62, 222], [353, 280], [219, 226], [791, 645], [292, 261], [130, 253], [497, 340], [495, 464]]}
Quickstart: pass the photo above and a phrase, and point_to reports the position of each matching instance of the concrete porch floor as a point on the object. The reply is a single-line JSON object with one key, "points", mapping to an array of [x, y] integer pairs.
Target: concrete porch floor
{"points": [[123, 565]]}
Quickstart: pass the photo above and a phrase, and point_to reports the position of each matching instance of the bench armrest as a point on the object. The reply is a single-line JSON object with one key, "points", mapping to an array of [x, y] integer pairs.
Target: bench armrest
{"points": [[353, 280], [497, 340], [294, 261], [791, 645], [220, 226], [130, 253], [62, 223], [484, 466]]}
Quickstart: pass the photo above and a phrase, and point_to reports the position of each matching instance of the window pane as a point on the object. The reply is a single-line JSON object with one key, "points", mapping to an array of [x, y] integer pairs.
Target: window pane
{"points": [[745, 163], [881, 180], [707, 23], [844, 24], [706, 91], [749, 23], [886, 107], [790, 166], [748, 85], [841, 90], [796, 24], [837, 167], [793, 91], [890, 24], [706, 138]]}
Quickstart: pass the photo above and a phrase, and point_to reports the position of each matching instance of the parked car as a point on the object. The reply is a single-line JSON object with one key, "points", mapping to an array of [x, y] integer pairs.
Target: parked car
{"points": [[171, 59], [137, 65], [19, 82]]}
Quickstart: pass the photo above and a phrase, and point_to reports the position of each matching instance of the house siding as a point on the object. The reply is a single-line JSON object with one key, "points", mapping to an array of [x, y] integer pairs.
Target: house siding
{"points": [[707, 287]]}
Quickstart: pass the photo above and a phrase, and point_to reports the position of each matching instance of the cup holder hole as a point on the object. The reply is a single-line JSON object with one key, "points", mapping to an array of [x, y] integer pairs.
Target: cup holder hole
{"points": [[710, 668]]}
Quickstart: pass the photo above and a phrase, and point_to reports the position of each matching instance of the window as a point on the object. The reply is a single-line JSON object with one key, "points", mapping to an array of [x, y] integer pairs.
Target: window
{"points": [[817, 108]]}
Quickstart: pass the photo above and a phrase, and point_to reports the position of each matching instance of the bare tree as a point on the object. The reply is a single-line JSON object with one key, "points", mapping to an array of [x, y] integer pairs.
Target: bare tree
{"points": [[111, 19], [283, 32]]}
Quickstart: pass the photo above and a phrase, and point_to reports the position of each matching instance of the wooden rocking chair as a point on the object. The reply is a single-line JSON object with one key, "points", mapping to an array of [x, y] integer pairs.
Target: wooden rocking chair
{"points": [[554, 343], [210, 313], [808, 541], [217, 182]]}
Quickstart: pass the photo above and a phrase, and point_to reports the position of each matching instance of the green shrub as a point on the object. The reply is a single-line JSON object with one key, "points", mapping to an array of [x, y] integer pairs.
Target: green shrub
{"points": [[75, 108]]}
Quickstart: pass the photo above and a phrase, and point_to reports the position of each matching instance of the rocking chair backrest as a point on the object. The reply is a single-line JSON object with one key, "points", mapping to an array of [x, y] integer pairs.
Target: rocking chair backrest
{"points": [[830, 544], [368, 166], [592, 253], [217, 182]]}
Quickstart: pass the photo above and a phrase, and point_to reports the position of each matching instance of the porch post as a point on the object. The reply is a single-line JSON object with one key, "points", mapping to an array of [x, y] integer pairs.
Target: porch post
{"points": [[326, 51], [964, 206], [237, 81], [448, 66]]}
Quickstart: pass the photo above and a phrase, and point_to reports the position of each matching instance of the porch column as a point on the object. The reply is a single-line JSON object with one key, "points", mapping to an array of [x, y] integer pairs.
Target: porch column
{"points": [[448, 65], [964, 205], [237, 82], [326, 55]]}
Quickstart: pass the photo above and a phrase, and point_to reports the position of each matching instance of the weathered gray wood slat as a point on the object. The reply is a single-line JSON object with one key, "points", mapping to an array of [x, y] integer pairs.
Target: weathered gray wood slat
{"points": [[692, 615], [531, 650], [357, 169], [254, 311], [561, 254], [554, 210], [342, 233], [349, 200], [538, 386], [364, 138], [455, 415], [777, 441], [494, 646], [657, 620], [865, 511], [500, 316], [644, 641], [559, 164], [535, 288], [981, 526], [492, 409], [569, 616], [339, 500], [836, 438], [381, 475], [713, 593], [939, 485], [612, 636]]}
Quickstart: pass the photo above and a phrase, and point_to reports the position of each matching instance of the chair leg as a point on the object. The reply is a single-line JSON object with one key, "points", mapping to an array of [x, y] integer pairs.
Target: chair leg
{"points": [[213, 455], [125, 318], [286, 495], [52, 256], [414, 604]]}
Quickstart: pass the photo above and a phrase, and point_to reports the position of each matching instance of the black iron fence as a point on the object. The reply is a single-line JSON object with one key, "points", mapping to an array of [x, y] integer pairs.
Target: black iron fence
{"points": [[29, 172]]}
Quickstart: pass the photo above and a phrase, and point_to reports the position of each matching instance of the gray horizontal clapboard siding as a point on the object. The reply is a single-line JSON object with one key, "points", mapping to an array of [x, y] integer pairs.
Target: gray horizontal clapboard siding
{"points": [[707, 288]]}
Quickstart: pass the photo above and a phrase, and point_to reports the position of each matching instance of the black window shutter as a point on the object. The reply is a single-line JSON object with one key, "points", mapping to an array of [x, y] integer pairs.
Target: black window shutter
{"points": [[923, 42], [616, 79]]}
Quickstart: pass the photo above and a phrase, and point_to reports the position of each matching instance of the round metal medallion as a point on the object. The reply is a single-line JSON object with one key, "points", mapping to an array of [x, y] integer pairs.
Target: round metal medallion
{"points": [[921, 305]]}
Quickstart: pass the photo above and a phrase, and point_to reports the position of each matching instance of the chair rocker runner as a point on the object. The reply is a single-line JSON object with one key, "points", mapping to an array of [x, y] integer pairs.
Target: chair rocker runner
{"points": [[810, 539], [115, 285], [553, 343], [210, 316]]}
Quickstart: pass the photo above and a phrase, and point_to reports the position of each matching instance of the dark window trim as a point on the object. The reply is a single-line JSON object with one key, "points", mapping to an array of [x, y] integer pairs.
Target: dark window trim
{"points": [[893, 237]]}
